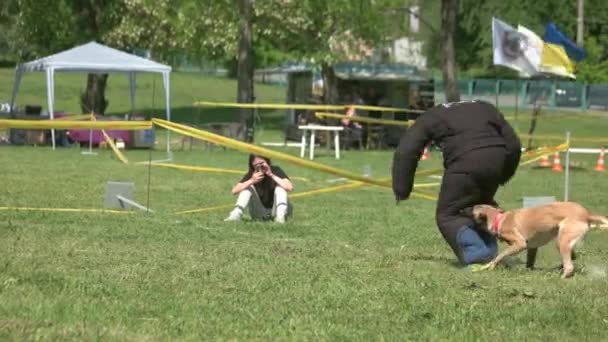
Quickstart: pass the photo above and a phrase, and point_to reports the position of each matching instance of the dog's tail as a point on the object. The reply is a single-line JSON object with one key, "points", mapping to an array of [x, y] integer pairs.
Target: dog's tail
{"points": [[600, 221]]}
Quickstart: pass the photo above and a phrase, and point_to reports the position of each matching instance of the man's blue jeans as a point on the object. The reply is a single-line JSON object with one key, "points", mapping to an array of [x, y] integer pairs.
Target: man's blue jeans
{"points": [[475, 246]]}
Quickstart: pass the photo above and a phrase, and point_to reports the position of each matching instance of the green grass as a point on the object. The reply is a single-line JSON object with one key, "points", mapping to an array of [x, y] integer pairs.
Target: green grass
{"points": [[349, 266]]}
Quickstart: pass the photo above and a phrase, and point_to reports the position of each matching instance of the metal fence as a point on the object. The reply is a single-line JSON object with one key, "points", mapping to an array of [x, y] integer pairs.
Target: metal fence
{"points": [[526, 93]]}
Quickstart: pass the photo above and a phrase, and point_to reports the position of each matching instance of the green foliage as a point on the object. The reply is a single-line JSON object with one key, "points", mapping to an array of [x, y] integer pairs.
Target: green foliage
{"points": [[149, 24], [8, 31], [49, 26], [305, 30], [594, 68], [474, 38]]}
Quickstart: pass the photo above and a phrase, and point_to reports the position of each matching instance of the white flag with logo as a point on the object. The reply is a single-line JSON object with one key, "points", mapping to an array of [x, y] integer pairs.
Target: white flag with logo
{"points": [[513, 49], [534, 48]]}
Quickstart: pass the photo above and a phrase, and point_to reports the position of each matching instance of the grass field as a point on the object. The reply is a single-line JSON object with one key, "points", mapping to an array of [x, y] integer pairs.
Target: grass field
{"points": [[350, 265]]}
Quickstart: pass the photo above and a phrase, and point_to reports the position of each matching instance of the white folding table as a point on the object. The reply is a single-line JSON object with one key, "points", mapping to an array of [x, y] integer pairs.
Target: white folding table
{"points": [[313, 129]]}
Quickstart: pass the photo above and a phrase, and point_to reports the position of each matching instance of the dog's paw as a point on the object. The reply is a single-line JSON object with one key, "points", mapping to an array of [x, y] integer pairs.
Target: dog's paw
{"points": [[475, 268], [479, 268]]}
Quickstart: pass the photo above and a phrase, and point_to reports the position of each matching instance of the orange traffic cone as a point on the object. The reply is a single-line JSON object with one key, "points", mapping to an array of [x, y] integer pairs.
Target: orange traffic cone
{"points": [[600, 161], [425, 154], [557, 165], [544, 161]]}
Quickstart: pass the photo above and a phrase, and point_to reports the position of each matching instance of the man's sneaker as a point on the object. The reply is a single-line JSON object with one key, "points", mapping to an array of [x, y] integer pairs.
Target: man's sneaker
{"points": [[279, 219], [234, 216]]}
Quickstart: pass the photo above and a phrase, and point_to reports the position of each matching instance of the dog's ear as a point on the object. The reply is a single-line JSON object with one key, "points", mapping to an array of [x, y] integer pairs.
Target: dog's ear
{"points": [[480, 217], [468, 211]]}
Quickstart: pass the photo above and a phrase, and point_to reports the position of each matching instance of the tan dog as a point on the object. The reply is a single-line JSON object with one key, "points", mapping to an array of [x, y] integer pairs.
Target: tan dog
{"points": [[530, 228]]}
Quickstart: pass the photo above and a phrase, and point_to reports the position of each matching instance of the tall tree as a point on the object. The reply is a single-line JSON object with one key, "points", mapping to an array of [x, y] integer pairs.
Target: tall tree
{"points": [[474, 39], [48, 26], [315, 31], [89, 17], [9, 10], [245, 69], [324, 32], [449, 11]]}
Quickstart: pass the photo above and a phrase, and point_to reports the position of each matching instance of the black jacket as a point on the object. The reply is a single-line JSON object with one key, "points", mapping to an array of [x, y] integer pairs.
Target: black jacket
{"points": [[457, 128]]}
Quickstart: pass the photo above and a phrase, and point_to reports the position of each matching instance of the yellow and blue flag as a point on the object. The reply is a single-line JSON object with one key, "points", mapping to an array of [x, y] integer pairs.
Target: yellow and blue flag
{"points": [[543, 57], [560, 54], [523, 50], [554, 36]]}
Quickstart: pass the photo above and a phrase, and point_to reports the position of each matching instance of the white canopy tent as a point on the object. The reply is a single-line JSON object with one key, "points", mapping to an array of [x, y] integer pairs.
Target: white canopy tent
{"points": [[94, 58]]}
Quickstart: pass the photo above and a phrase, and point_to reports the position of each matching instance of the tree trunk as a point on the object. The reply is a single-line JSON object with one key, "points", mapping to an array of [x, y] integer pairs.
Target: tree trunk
{"points": [[535, 113], [245, 70], [93, 100], [449, 10], [330, 83]]}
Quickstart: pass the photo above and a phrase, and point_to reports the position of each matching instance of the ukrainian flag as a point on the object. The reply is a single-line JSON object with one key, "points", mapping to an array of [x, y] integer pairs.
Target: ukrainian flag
{"points": [[554, 60], [559, 53]]}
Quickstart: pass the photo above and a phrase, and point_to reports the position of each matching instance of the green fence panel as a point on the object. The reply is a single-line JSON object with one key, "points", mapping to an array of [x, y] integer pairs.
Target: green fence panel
{"points": [[568, 94], [597, 96], [538, 92], [509, 87], [485, 87]]}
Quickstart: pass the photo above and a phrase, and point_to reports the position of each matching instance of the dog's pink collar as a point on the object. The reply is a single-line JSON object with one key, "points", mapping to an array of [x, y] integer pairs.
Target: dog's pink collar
{"points": [[496, 223]]}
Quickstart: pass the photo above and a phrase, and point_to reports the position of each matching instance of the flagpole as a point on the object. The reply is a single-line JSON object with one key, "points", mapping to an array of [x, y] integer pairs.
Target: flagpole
{"points": [[516, 102], [496, 87]]}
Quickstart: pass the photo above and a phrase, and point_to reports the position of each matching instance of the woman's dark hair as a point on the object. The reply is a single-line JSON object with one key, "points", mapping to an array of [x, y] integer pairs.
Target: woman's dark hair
{"points": [[253, 156]]}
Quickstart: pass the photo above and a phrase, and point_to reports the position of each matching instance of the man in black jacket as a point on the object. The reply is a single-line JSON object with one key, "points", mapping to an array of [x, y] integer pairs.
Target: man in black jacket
{"points": [[480, 152]]}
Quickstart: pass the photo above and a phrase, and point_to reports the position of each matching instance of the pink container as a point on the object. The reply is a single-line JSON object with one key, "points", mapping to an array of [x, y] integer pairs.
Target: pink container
{"points": [[82, 135]]}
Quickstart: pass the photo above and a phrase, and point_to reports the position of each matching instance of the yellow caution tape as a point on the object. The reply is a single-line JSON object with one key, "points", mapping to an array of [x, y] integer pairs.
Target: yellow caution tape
{"points": [[67, 210], [364, 119], [301, 106], [542, 116], [558, 137], [75, 117], [351, 185], [249, 148], [117, 152], [245, 147], [384, 109], [423, 195], [543, 150], [429, 172], [267, 105], [533, 156], [203, 210], [194, 168], [206, 169], [70, 124]]}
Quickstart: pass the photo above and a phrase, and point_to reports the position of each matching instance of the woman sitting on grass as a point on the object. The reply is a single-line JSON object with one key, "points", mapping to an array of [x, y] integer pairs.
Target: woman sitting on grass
{"points": [[264, 190]]}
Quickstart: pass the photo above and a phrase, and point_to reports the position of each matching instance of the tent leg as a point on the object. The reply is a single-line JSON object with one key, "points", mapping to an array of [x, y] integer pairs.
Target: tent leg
{"points": [[90, 151]]}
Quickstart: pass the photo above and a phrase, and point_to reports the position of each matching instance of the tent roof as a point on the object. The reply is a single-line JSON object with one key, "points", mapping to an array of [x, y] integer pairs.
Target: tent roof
{"points": [[94, 57]]}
